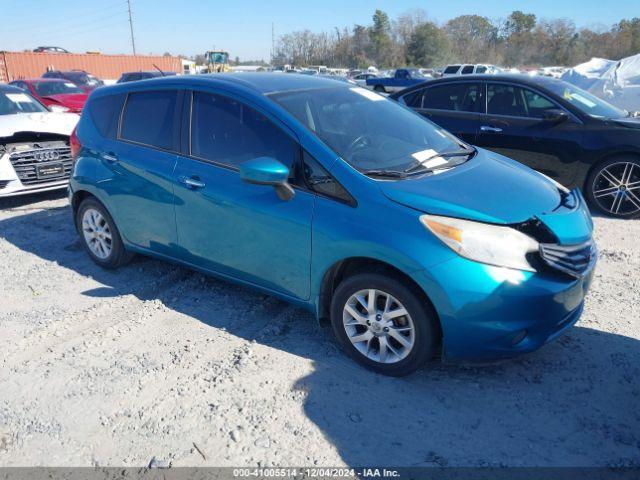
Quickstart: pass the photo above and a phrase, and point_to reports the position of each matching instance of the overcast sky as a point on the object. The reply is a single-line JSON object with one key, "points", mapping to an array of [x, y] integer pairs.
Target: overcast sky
{"points": [[243, 27]]}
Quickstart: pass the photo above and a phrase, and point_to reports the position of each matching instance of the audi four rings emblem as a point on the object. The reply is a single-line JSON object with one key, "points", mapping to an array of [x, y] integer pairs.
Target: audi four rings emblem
{"points": [[46, 155]]}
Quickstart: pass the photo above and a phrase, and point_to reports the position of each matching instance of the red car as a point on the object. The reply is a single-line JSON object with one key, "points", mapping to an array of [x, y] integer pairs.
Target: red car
{"points": [[53, 91]]}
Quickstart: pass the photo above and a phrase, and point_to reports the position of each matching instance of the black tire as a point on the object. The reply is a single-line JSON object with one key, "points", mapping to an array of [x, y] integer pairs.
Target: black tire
{"points": [[626, 202], [118, 255], [379, 89], [424, 322]]}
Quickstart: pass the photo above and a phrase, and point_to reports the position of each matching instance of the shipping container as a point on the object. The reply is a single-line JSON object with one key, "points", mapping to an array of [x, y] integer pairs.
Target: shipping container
{"points": [[18, 65]]}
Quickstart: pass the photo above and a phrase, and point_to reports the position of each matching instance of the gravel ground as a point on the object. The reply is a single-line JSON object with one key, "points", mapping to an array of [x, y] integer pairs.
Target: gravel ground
{"points": [[115, 368]]}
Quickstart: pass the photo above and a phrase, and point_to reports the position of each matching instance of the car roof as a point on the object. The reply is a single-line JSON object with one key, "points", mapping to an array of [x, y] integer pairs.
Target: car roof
{"points": [[259, 82], [41, 80], [521, 79], [10, 89]]}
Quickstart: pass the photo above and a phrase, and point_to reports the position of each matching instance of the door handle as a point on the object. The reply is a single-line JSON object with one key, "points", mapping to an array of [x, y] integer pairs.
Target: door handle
{"points": [[110, 157], [192, 182], [487, 128]]}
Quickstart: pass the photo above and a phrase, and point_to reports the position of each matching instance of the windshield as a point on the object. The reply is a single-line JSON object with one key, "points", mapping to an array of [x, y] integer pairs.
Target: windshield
{"points": [[367, 130], [586, 102], [11, 103], [82, 78], [45, 89]]}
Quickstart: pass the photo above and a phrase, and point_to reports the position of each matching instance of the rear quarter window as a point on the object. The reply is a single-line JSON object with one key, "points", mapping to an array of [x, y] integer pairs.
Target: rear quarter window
{"points": [[105, 114]]}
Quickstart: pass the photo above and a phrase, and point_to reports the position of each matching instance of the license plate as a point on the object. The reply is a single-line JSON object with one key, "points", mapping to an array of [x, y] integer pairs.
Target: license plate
{"points": [[49, 170]]}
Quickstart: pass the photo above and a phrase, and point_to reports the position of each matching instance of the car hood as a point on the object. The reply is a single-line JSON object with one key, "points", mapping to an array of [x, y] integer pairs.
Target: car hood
{"points": [[631, 122], [488, 188], [75, 101], [45, 122]]}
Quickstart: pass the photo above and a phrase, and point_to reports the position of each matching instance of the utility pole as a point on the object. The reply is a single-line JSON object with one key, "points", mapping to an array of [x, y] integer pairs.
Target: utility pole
{"points": [[133, 40], [273, 42]]}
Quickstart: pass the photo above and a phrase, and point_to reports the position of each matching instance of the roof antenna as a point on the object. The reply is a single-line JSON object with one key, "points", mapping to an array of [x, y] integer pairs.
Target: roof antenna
{"points": [[156, 67]]}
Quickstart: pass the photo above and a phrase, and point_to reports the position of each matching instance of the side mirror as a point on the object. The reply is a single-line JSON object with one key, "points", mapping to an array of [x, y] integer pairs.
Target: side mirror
{"points": [[555, 115], [268, 171]]}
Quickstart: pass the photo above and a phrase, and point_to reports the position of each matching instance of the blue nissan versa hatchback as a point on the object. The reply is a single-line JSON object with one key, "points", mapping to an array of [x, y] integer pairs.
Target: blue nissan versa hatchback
{"points": [[332, 197]]}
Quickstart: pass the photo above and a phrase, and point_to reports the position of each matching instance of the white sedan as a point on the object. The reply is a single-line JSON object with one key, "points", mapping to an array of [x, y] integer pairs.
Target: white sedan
{"points": [[35, 155]]}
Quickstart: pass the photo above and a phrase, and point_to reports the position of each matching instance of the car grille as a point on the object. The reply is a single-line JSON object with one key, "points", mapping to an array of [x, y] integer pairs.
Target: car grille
{"points": [[571, 259], [25, 162]]}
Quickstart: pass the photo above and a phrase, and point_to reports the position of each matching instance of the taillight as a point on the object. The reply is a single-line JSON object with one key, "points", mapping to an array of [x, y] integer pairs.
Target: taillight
{"points": [[74, 143]]}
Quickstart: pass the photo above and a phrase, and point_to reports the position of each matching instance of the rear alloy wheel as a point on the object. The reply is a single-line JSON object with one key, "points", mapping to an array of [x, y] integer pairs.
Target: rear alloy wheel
{"points": [[383, 324], [99, 235], [614, 188]]}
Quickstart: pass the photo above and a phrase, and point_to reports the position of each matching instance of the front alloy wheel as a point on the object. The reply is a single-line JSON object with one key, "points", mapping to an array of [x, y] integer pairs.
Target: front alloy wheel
{"points": [[615, 188], [378, 326], [384, 322]]}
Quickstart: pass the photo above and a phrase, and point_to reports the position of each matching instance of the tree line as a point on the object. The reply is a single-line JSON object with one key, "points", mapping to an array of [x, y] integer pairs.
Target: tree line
{"points": [[520, 40]]}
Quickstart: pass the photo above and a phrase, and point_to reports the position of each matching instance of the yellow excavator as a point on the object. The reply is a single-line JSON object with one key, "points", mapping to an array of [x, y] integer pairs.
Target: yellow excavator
{"points": [[217, 61]]}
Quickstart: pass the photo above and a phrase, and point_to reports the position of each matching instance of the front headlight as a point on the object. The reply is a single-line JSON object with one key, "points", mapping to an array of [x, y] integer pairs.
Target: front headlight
{"points": [[490, 244]]}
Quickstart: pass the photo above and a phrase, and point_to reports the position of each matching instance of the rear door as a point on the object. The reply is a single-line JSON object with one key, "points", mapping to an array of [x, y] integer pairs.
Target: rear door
{"points": [[235, 228], [514, 126], [454, 106], [137, 168]]}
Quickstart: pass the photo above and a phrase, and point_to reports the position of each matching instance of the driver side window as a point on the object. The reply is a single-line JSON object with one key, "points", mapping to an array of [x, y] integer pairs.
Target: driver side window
{"points": [[228, 132]]}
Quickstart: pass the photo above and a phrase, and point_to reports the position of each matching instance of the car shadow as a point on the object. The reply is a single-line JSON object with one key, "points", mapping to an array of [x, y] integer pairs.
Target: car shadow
{"points": [[575, 402], [31, 199]]}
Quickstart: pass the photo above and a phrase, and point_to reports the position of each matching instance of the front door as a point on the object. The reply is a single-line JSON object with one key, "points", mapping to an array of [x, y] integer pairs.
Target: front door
{"points": [[514, 126], [231, 227]]}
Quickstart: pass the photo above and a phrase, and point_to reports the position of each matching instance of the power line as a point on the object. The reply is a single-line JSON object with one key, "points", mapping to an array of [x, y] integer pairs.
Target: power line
{"points": [[82, 26], [93, 14]]}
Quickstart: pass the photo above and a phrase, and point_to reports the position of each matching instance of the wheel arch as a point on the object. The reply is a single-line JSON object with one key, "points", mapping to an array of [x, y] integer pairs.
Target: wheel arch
{"points": [[350, 266], [78, 197]]}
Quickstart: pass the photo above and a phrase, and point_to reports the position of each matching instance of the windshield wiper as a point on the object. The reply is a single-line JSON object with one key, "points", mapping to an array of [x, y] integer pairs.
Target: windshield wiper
{"points": [[463, 152], [385, 173]]}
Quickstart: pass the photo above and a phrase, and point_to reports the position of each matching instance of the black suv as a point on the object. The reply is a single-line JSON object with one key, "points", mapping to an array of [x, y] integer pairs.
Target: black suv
{"points": [[552, 126]]}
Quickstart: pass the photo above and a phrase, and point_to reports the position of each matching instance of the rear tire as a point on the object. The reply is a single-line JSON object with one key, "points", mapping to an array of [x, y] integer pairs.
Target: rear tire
{"points": [[375, 332], [613, 187], [99, 235]]}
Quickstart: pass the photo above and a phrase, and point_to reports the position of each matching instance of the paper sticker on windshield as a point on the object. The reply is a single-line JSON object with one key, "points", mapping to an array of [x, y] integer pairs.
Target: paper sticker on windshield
{"points": [[18, 97], [422, 155], [583, 100], [374, 97], [429, 158]]}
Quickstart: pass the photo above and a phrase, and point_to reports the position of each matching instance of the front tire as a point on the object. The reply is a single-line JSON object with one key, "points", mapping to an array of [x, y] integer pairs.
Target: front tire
{"points": [[99, 235], [383, 324], [613, 187]]}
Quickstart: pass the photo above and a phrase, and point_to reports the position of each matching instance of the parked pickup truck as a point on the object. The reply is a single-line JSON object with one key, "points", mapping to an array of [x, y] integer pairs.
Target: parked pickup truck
{"points": [[402, 78]]}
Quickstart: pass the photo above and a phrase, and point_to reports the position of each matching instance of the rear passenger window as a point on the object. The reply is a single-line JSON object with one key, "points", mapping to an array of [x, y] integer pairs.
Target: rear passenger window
{"points": [[467, 69], [226, 131], [452, 69], [105, 113], [460, 97], [152, 118], [414, 99]]}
